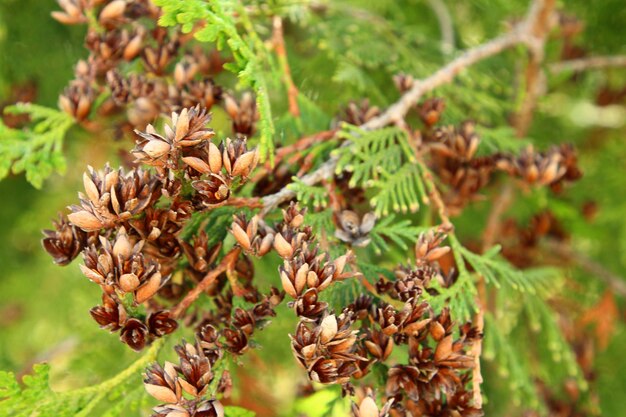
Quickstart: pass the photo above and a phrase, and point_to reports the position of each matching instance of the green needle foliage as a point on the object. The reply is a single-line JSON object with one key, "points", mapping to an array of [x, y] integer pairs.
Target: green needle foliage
{"points": [[36, 151]]}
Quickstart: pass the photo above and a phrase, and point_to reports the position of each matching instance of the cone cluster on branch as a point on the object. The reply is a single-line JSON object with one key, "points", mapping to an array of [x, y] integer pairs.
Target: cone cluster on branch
{"points": [[175, 74], [455, 160], [147, 238], [128, 225]]}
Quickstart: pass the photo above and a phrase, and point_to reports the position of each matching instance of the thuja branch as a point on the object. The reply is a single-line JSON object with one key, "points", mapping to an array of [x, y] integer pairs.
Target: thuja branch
{"points": [[489, 236], [226, 263], [281, 52], [94, 394], [303, 144], [325, 171], [533, 75], [596, 62], [522, 34]]}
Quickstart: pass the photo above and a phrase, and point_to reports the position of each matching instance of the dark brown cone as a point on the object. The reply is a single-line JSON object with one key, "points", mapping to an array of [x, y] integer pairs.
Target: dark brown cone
{"points": [[212, 192], [161, 323], [134, 334], [359, 113], [65, 242]]}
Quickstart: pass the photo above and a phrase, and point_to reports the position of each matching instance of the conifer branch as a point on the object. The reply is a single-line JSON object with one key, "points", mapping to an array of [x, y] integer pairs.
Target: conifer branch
{"points": [[583, 64], [226, 263], [489, 236], [325, 171], [522, 34], [534, 76], [281, 52], [303, 144], [445, 25], [250, 202]]}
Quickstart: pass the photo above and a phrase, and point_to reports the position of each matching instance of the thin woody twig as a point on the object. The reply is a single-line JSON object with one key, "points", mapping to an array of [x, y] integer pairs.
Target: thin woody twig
{"points": [[209, 278], [303, 144], [281, 53], [445, 24], [498, 208], [534, 75], [520, 35], [489, 237], [250, 202], [326, 170], [595, 62]]}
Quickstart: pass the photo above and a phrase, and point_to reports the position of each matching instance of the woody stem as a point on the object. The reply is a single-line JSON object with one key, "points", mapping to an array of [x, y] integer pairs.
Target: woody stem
{"points": [[226, 263]]}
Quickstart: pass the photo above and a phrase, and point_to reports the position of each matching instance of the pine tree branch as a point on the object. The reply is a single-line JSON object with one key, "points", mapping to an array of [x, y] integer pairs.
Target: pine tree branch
{"points": [[595, 62]]}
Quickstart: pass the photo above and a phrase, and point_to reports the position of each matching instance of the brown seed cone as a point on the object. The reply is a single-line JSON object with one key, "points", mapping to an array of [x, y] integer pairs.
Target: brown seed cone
{"points": [[121, 266], [252, 238], [403, 82], [162, 383], [404, 379], [110, 315], [308, 306], [359, 113], [195, 368], [134, 334], [354, 230], [77, 99], [110, 47], [237, 159], [156, 58], [459, 143], [212, 191], [235, 341], [164, 151], [65, 242], [161, 323], [244, 114], [430, 111], [200, 255], [428, 249], [327, 350], [113, 197], [379, 345], [73, 12], [368, 408], [204, 93]]}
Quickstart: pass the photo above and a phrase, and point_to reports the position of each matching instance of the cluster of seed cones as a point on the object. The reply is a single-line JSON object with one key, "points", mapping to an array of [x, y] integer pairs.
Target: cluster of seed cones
{"points": [[128, 224], [176, 73]]}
